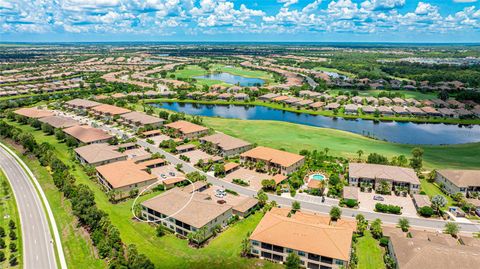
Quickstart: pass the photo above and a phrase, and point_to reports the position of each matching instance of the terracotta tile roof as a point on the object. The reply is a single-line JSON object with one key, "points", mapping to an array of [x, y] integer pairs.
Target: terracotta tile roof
{"points": [[141, 118], [197, 213], [87, 134], [230, 166], [305, 232], [82, 103], [421, 200], [59, 121], [411, 253], [379, 171], [94, 153], [33, 113], [124, 173], [225, 142], [186, 127], [245, 204], [461, 178], [109, 109], [276, 156]]}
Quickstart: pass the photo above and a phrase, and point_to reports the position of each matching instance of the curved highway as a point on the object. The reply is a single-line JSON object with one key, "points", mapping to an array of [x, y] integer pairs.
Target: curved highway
{"points": [[38, 246]]}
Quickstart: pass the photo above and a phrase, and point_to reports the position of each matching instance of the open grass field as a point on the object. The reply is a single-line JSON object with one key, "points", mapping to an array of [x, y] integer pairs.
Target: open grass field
{"points": [[333, 70], [295, 137], [9, 211], [166, 252], [369, 252]]}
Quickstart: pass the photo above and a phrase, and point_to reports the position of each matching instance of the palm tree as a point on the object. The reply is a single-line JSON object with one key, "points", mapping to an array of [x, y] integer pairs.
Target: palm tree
{"points": [[360, 153], [403, 224], [326, 150], [246, 245]]}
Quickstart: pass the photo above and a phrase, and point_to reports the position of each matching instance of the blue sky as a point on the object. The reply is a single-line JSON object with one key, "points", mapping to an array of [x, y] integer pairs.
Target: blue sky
{"points": [[241, 20]]}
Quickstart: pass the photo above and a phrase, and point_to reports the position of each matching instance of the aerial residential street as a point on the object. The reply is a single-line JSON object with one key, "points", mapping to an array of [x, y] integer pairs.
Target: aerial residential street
{"points": [[287, 201], [38, 247]]}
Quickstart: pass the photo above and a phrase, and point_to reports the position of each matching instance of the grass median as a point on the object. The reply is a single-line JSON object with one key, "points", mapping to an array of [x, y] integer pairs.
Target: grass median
{"points": [[9, 211]]}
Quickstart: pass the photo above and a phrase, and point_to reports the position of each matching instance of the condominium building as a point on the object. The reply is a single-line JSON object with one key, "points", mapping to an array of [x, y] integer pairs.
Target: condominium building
{"points": [[284, 162], [373, 174], [462, 181], [187, 129], [227, 145], [174, 210], [319, 243]]}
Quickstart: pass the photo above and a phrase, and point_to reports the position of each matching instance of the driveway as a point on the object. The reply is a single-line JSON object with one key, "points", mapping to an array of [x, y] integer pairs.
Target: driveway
{"points": [[252, 177], [406, 203]]}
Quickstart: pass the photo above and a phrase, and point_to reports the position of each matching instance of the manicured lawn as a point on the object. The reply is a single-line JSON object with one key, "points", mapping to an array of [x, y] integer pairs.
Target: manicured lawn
{"points": [[166, 252], [8, 207], [369, 252], [191, 71], [295, 137], [432, 189], [327, 69]]}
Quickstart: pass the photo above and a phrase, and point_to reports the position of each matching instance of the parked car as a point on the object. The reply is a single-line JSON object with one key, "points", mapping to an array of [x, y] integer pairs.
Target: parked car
{"points": [[378, 198], [172, 174], [477, 211]]}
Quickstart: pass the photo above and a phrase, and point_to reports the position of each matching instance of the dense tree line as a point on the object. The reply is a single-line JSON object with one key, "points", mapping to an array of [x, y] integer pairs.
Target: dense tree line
{"points": [[104, 234]]}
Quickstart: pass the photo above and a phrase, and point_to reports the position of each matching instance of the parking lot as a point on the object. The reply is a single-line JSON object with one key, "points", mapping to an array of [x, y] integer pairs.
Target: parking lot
{"points": [[368, 204], [250, 176], [159, 139], [166, 170], [229, 199], [196, 155]]}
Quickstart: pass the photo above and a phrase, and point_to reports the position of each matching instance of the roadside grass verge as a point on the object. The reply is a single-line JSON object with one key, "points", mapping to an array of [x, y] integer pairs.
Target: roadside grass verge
{"points": [[165, 252], [9, 211], [78, 249]]}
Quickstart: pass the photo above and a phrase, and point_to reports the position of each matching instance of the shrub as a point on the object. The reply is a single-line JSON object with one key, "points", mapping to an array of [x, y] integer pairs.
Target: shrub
{"points": [[2, 256], [351, 203], [240, 182], [426, 211], [232, 192], [392, 209], [383, 241]]}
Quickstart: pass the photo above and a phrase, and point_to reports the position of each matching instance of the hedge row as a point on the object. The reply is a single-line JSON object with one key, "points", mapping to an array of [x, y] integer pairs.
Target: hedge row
{"points": [[392, 209]]}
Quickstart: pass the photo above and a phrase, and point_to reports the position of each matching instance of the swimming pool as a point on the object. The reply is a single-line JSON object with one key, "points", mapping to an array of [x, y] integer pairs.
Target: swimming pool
{"points": [[317, 177]]}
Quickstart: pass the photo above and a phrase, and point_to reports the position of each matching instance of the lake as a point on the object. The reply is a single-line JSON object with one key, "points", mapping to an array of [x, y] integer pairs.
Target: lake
{"points": [[233, 79], [399, 132]]}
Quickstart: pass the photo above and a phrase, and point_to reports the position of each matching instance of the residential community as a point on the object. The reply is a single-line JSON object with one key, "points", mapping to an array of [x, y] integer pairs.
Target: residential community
{"points": [[152, 155]]}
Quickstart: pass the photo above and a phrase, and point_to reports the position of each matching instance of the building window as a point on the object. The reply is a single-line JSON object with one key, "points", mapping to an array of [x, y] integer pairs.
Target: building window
{"points": [[255, 243], [339, 262], [301, 253], [254, 251], [289, 250]]}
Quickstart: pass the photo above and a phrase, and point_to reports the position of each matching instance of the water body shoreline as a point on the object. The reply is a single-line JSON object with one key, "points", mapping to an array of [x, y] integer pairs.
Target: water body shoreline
{"points": [[388, 130]]}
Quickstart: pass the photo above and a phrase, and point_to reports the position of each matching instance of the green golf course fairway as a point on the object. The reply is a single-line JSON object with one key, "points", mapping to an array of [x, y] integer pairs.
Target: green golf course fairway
{"points": [[295, 137]]}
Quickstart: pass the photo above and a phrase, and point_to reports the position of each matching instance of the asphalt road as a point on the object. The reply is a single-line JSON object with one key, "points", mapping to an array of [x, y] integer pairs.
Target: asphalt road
{"points": [[38, 248], [309, 205]]}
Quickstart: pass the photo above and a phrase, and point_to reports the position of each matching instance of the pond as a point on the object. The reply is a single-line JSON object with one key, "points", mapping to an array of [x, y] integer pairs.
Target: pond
{"points": [[233, 79], [399, 132]]}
